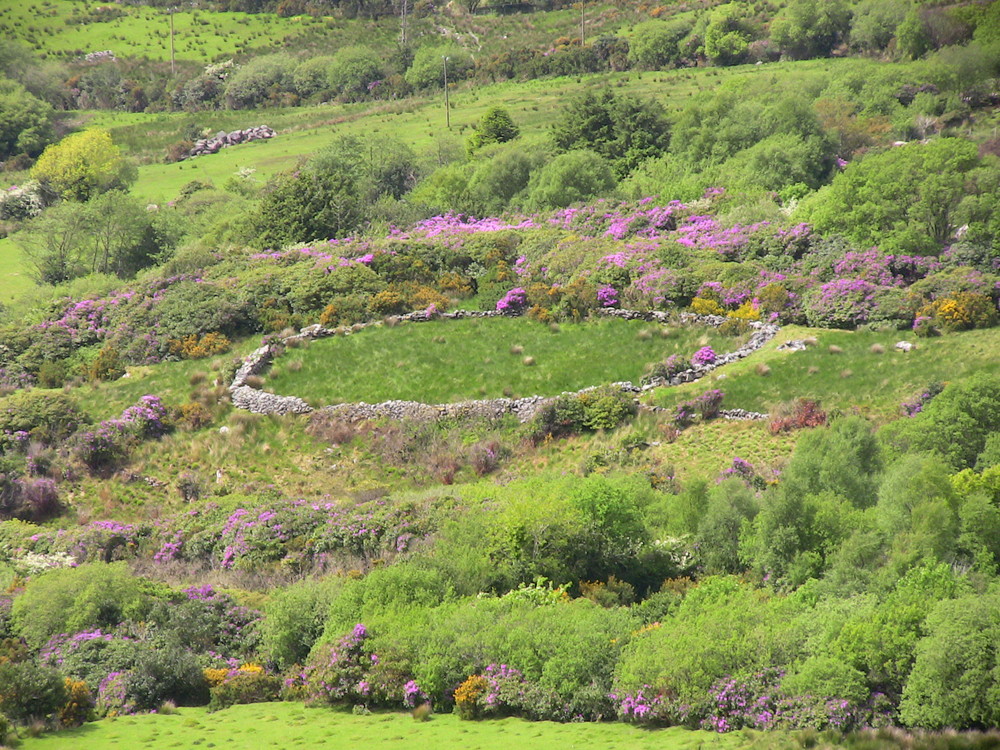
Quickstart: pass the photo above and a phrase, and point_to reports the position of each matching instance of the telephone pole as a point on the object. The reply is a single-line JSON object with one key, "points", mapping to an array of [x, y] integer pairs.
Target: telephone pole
{"points": [[447, 106], [173, 70], [403, 9]]}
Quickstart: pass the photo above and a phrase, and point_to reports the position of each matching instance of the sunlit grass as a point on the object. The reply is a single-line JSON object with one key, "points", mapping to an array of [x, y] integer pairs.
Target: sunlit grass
{"points": [[290, 725], [15, 278], [863, 371], [456, 360]]}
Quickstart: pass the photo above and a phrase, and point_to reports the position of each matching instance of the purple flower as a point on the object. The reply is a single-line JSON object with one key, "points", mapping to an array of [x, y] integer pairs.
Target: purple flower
{"points": [[704, 356], [513, 302], [607, 296]]}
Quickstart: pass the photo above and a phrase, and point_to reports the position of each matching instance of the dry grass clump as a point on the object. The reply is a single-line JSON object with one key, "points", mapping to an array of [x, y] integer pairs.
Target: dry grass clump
{"points": [[644, 335], [517, 349], [528, 361], [810, 341], [762, 369], [834, 349], [813, 370], [846, 373], [330, 428], [197, 378], [877, 349]]}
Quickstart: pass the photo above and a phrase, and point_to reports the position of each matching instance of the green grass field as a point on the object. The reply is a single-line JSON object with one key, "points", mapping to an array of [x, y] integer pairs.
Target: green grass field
{"points": [[858, 377], [55, 28], [290, 725], [15, 277], [455, 360], [417, 121], [68, 28]]}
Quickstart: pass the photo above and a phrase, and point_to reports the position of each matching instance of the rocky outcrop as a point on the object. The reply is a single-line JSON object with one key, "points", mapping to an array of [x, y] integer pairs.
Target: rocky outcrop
{"points": [[246, 397], [222, 139]]}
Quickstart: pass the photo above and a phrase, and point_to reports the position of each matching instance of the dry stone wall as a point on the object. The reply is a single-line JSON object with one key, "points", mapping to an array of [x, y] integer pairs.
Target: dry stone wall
{"points": [[244, 396]]}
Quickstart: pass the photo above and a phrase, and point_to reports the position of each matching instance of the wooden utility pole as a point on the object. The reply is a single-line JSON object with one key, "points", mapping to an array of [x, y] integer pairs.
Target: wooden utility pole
{"points": [[447, 106], [173, 70], [404, 7]]}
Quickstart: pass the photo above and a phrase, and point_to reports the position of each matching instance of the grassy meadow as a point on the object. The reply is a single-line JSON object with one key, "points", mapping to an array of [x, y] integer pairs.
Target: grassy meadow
{"points": [[290, 725], [68, 28], [15, 277], [455, 360], [416, 121], [848, 371]]}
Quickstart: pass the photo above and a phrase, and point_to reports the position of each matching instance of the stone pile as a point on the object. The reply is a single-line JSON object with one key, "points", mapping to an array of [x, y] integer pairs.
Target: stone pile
{"points": [[100, 56], [222, 139]]}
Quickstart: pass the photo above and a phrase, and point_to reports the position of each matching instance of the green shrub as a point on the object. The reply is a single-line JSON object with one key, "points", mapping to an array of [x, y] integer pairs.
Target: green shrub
{"points": [[728, 514], [606, 408], [427, 69], [656, 44], [70, 600], [245, 687], [47, 417], [304, 206], [880, 638], [294, 619], [622, 129], [257, 82], [495, 126], [165, 672], [29, 691], [602, 408], [7, 733], [955, 424], [954, 682], [825, 676], [312, 76], [352, 69], [723, 627], [569, 178], [387, 589]]}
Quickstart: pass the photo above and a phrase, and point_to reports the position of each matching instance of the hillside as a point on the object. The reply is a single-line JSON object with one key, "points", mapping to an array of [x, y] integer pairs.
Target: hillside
{"points": [[649, 394]]}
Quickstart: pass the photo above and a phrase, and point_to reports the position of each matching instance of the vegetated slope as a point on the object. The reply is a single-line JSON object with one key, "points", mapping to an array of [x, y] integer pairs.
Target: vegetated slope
{"points": [[416, 121], [814, 569], [857, 371], [62, 28]]}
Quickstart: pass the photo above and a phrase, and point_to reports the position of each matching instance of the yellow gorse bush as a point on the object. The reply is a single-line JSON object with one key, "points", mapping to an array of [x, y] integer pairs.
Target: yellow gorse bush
{"points": [[467, 695], [192, 347], [703, 306]]}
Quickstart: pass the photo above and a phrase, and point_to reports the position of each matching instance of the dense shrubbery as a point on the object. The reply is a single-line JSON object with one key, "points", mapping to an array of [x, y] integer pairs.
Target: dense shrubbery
{"points": [[859, 603]]}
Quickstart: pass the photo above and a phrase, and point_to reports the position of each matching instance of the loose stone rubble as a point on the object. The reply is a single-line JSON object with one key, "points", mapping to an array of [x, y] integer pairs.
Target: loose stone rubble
{"points": [[222, 139]]}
